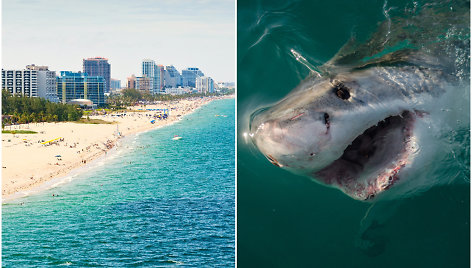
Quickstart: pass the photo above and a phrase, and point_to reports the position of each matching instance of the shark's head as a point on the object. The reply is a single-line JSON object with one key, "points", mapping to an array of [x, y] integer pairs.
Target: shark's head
{"points": [[352, 131]]}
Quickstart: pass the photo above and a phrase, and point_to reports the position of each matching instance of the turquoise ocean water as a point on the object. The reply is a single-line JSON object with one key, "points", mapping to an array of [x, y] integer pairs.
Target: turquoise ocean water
{"points": [[154, 202], [286, 220]]}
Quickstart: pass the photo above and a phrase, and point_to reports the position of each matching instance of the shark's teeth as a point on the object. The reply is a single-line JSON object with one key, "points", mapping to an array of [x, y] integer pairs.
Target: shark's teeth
{"points": [[350, 172]]}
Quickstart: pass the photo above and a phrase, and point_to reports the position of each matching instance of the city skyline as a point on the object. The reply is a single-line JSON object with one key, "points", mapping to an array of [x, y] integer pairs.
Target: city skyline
{"points": [[180, 33]]}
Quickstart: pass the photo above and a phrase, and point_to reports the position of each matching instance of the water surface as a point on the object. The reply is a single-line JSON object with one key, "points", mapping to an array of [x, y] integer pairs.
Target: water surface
{"points": [[155, 202]]}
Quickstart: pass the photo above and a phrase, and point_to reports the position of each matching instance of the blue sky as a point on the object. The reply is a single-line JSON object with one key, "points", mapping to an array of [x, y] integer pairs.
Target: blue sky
{"points": [[185, 33]]}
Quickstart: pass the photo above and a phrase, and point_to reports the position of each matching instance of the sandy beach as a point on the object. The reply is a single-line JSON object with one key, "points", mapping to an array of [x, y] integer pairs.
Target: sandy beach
{"points": [[27, 162]]}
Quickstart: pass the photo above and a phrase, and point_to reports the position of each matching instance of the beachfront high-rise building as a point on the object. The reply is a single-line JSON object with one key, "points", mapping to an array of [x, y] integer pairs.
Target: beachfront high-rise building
{"points": [[46, 82], [204, 84], [21, 82], [162, 73], [189, 75], [172, 77], [98, 67], [208, 84], [199, 84], [115, 84], [151, 70], [71, 85], [131, 82], [157, 80], [144, 84]]}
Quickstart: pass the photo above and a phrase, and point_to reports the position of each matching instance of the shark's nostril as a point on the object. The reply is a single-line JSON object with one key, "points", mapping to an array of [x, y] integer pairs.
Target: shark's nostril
{"points": [[257, 117]]}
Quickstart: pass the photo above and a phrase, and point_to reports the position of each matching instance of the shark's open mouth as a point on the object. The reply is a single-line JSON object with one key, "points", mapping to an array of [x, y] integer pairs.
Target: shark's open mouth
{"points": [[370, 164]]}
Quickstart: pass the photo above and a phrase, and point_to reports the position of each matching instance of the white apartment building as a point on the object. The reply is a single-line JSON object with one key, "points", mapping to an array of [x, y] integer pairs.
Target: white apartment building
{"points": [[21, 82], [204, 84], [199, 84], [47, 83]]}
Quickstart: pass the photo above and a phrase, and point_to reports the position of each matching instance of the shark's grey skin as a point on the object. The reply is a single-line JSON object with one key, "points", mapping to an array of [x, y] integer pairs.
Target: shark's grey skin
{"points": [[354, 124]]}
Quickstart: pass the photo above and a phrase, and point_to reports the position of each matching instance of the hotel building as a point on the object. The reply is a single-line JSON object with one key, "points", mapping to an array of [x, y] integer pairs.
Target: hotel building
{"points": [[98, 67], [189, 75], [71, 85], [162, 74], [151, 70], [204, 84], [145, 84], [172, 78], [115, 84], [131, 82]]}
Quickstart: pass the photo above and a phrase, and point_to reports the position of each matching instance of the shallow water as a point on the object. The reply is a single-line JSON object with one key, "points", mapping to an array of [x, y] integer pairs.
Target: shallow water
{"points": [[289, 221], [154, 202]]}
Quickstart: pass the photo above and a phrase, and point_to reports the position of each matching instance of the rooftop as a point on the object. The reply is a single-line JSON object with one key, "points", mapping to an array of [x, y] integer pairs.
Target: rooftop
{"points": [[96, 58]]}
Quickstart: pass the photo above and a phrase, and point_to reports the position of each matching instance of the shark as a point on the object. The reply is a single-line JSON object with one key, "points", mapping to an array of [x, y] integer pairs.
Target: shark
{"points": [[361, 122]]}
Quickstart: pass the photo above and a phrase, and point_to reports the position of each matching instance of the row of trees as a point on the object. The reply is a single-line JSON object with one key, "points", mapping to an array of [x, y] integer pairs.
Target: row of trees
{"points": [[130, 96], [19, 109]]}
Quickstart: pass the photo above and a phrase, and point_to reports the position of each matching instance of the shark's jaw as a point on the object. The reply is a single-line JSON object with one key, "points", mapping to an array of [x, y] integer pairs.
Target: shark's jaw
{"points": [[372, 162]]}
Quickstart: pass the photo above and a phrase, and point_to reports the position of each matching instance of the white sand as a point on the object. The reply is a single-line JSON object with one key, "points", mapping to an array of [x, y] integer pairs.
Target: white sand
{"points": [[28, 164]]}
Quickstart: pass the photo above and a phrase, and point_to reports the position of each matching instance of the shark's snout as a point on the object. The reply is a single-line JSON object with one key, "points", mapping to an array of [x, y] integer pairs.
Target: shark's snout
{"points": [[290, 140]]}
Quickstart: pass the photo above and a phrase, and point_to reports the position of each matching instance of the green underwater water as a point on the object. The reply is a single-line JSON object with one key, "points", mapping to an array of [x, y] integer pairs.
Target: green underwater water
{"points": [[284, 220]]}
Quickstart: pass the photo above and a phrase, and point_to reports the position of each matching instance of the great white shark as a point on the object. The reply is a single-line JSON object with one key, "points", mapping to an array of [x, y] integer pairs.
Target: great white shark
{"points": [[359, 122]]}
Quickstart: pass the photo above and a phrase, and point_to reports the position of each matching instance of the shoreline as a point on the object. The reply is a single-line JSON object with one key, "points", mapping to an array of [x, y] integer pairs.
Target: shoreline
{"points": [[72, 173], [31, 169]]}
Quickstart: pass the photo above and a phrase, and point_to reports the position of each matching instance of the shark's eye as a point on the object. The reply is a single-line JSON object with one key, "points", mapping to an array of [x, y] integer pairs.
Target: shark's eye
{"points": [[342, 91]]}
